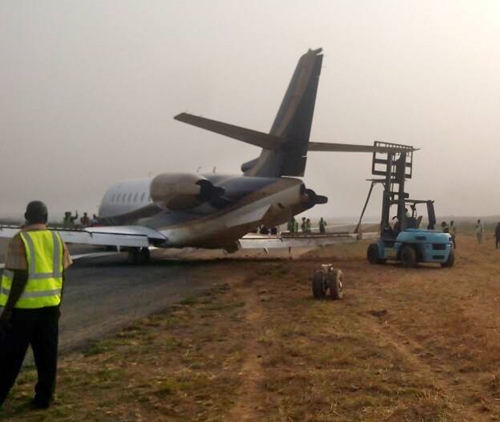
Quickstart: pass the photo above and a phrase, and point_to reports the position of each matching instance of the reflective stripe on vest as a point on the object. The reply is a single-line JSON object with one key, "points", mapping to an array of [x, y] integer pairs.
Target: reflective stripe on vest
{"points": [[44, 251]]}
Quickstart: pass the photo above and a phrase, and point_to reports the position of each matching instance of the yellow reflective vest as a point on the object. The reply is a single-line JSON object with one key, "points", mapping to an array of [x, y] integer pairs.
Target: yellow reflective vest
{"points": [[44, 254]]}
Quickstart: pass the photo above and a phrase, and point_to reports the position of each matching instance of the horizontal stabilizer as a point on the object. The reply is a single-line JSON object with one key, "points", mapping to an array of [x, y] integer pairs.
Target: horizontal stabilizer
{"points": [[320, 146], [252, 137]]}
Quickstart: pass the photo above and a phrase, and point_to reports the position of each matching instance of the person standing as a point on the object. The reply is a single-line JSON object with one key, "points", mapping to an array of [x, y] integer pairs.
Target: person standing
{"points": [[479, 232], [453, 232], [69, 220], [94, 221], [85, 220], [497, 235], [322, 225], [303, 225], [30, 294]]}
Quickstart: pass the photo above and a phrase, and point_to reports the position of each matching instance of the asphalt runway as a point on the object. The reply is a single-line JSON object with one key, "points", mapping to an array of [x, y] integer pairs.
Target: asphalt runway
{"points": [[105, 294], [102, 295]]}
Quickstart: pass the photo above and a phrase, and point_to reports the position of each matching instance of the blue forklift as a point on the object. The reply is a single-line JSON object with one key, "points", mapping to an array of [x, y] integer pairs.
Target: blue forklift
{"points": [[402, 238]]}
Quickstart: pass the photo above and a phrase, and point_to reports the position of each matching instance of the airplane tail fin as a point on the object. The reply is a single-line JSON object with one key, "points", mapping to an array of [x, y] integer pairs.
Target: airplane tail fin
{"points": [[284, 149], [293, 121]]}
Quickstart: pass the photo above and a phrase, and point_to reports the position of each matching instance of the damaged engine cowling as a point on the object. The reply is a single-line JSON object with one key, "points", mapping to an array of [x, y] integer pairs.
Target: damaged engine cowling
{"points": [[311, 198], [182, 191]]}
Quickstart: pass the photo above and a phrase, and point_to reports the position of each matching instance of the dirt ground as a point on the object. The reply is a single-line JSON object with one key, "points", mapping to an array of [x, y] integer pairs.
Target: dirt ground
{"points": [[403, 345]]}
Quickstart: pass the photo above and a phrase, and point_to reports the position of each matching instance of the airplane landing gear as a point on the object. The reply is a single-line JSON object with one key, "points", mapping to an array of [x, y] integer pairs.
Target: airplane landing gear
{"points": [[328, 278], [138, 256]]}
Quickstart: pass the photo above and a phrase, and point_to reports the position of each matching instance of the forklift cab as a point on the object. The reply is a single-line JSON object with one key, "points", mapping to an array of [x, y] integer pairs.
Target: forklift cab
{"points": [[408, 216]]}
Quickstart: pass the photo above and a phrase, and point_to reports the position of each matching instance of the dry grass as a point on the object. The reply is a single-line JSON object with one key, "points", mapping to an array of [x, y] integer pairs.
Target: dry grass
{"points": [[403, 345]]}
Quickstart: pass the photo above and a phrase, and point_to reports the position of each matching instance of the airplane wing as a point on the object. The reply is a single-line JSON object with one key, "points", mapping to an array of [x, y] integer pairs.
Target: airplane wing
{"points": [[321, 146], [123, 236], [280, 242]]}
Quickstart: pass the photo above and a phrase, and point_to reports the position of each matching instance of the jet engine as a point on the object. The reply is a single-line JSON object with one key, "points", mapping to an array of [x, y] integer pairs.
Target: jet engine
{"points": [[312, 198], [177, 192]]}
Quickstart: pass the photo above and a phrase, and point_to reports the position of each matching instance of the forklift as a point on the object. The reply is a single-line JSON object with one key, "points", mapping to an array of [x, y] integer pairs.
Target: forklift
{"points": [[402, 238]]}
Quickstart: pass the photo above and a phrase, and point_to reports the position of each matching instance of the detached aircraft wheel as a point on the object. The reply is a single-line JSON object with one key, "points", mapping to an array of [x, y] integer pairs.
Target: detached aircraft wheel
{"points": [[408, 257], [336, 284], [318, 285]]}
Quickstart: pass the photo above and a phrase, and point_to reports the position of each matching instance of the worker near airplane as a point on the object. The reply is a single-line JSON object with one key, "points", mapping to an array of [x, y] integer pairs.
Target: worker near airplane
{"points": [[453, 233], [479, 231], [322, 225], [30, 294], [303, 225], [69, 220]]}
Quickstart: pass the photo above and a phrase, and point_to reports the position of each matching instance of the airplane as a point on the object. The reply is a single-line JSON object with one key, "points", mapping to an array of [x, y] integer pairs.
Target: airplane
{"points": [[216, 210]]}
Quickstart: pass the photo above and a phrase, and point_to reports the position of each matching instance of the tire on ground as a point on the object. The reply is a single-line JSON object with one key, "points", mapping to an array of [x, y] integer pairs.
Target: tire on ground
{"points": [[318, 285], [450, 261], [336, 284], [144, 256], [408, 257], [373, 255], [133, 256]]}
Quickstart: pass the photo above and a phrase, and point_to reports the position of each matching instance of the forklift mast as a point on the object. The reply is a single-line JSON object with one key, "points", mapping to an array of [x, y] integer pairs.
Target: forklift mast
{"points": [[395, 169]]}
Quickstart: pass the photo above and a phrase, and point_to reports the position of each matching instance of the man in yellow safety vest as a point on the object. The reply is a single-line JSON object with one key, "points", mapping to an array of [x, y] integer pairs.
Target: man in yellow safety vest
{"points": [[30, 294]]}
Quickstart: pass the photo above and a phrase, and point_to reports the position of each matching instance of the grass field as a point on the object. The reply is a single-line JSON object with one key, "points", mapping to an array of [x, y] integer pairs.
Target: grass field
{"points": [[403, 345]]}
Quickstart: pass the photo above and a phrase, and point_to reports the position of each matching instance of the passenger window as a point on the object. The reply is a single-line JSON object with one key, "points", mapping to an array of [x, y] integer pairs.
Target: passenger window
{"points": [[135, 197], [113, 197], [142, 196], [129, 197]]}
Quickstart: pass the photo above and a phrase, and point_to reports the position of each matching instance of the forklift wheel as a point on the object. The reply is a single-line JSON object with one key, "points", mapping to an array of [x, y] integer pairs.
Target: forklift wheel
{"points": [[408, 257], [336, 284], [373, 255], [318, 285], [450, 261]]}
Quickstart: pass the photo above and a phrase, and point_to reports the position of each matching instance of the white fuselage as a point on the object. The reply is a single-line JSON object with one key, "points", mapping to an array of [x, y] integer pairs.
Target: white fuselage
{"points": [[267, 202]]}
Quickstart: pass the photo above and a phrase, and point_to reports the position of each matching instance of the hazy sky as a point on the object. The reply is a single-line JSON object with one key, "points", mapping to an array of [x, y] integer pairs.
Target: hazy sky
{"points": [[89, 89]]}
